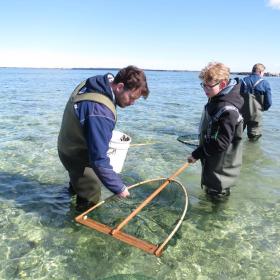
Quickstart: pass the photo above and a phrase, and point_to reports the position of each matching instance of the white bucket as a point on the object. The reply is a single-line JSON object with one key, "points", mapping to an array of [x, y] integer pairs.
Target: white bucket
{"points": [[118, 148]]}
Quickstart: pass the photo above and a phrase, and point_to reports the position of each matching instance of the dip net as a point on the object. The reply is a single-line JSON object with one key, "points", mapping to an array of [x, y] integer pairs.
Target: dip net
{"points": [[153, 226]]}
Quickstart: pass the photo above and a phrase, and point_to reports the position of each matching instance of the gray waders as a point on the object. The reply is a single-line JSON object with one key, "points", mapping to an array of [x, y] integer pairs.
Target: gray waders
{"points": [[221, 170], [252, 112]]}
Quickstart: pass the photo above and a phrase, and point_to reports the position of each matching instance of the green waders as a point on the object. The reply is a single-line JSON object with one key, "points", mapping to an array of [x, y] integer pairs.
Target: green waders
{"points": [[72, 147]]}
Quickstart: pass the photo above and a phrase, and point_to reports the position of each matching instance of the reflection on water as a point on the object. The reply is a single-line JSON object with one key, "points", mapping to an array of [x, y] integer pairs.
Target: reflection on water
{"points": [[233, 239]]}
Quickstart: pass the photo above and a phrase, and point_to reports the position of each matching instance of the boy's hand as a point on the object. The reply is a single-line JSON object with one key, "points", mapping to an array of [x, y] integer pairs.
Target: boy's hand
{"points": [[191, 159]]}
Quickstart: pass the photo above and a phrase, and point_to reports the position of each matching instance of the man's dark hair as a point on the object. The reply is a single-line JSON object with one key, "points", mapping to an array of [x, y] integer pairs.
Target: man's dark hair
{"points": [[133, 78]]}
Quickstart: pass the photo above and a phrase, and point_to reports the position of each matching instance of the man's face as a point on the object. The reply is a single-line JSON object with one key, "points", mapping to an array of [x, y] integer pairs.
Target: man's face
{"points": [[126, 97]]}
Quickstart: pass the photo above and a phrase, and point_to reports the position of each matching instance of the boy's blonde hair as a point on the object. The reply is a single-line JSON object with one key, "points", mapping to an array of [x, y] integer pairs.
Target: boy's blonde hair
{"points": [[214, 72]]}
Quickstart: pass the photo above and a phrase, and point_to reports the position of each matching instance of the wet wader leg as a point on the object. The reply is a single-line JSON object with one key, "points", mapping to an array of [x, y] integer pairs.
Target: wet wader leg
{"points": [[254, 130], [86, 185]]}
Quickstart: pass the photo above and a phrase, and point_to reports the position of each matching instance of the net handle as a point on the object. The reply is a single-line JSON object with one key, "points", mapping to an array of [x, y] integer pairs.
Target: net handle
{"points": [[149, 198]]}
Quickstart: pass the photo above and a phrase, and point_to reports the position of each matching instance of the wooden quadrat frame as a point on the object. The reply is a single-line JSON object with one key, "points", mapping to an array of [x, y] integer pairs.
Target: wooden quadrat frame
{"points": [[130, 239]]}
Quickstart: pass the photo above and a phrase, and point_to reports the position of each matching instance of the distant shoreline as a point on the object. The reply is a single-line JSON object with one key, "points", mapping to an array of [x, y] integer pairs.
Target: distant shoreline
{"points": [[268, 74], [95, 68]]}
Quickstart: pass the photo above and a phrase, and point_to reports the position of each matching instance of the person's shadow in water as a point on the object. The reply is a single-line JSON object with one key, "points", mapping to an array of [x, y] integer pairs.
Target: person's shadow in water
{"points": [[51, 202]]}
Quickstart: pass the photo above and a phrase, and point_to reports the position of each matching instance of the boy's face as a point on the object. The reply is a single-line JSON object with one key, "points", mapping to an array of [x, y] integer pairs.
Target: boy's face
{"points": [[212, 88]]}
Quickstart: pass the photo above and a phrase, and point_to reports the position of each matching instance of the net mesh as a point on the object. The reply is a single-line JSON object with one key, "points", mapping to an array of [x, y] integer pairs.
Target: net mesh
{"points": [[155, 221]]}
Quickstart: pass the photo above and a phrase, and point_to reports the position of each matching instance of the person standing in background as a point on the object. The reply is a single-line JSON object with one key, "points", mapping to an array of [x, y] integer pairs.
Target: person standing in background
{"points": [[257, 98]]}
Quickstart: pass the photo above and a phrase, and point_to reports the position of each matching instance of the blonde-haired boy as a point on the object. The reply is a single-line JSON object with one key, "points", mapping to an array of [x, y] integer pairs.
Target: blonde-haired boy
{"points": [[221, 127]]}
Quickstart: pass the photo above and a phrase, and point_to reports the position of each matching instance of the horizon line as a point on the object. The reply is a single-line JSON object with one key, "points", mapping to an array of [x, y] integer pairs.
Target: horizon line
{"points": [[96, 68], [118, 68]]}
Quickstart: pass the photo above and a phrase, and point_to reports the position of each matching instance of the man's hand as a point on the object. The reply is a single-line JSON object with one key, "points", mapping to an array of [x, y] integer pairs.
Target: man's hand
{"points": [[191, 159], [124, 194]]}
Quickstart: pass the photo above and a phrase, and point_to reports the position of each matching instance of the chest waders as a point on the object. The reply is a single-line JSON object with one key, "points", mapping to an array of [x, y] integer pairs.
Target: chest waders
{"points": [[220, 171], [252, 111], [72, 146]]}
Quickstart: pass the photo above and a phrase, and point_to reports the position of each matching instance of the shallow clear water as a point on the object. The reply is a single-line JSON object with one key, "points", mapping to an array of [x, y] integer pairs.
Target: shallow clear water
{"points": [[236, 239]]}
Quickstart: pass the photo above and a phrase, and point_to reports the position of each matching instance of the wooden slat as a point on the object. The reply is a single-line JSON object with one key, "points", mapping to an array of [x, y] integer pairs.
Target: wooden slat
{"points": [[95, 225], [127, 238]]}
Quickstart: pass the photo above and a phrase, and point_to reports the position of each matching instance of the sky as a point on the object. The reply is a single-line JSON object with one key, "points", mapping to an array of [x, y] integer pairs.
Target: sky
{"points": [[151, 34]]}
